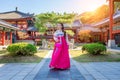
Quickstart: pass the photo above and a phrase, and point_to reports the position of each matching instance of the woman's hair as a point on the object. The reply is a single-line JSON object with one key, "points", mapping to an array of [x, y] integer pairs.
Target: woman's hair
{"points": [[63, 30]]}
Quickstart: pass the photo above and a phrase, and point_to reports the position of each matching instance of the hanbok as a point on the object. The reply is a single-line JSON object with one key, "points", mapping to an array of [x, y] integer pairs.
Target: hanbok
{"points": [[60, 57]]}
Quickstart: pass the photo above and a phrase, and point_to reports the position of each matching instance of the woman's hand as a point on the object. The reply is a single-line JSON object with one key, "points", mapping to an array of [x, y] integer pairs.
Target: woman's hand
{"points": [[57, 40]]}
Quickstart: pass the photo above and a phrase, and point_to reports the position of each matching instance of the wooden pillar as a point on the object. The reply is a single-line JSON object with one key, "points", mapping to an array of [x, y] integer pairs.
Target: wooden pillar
{"points": [[111, 6], [26, 24], [10, 37], [34, 33], [76, 35], [16, 23], [3, 38], [17, 37], [103, 35]]}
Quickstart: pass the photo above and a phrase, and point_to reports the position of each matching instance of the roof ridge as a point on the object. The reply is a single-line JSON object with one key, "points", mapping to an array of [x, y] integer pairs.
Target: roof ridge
{"points": [[6, 12], [10, 15], [17, 12]]}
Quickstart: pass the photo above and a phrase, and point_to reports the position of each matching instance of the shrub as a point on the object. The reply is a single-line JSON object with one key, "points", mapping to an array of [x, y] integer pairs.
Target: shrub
{"points": [[119, 45], [100, 42], [21, 49], [94, 48]]}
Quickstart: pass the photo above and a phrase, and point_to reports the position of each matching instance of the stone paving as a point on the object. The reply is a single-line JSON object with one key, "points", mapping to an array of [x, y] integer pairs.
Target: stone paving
{"points": [[46, 73], [116, 49], [99, 70], [15, 71], [78, 71]]}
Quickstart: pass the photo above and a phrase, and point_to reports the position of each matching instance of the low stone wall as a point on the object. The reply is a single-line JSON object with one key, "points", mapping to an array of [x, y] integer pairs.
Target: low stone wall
{"points": [[3, 47], [27, 41]]}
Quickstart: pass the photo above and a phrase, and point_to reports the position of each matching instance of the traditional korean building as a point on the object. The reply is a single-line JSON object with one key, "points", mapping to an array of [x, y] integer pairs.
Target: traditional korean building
{"points": [[92, 34], [79, 27], [7, 33], [24, 21], [104, 27]]}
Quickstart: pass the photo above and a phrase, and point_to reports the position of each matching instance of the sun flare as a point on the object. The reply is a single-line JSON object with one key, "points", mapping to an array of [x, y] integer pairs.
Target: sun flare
{"points": [[92, 7]]}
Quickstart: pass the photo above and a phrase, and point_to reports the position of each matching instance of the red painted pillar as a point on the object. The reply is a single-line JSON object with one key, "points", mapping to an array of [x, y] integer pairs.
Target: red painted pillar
{"points": [[3, 38], [111, 5], [10, 37]]}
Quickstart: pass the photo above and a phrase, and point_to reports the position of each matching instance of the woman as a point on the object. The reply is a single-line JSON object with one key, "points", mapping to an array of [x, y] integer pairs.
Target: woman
{"points": [[60, 57]]}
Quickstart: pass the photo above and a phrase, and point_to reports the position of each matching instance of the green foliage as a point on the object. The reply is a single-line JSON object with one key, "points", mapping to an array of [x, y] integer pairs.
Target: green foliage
{"points": [[95, 16], [52, 18], [21, 49], [94, 48], [70, 32], [40, 26], [100, 42], [117, 5], [119, 45]]}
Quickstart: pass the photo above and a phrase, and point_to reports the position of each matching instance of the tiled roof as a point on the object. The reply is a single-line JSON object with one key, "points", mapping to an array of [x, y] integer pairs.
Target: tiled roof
{"points": [[7, 25], [49, 25], [32, 28], [77, 23], [89, 27], [14, 15], [106, 20]]}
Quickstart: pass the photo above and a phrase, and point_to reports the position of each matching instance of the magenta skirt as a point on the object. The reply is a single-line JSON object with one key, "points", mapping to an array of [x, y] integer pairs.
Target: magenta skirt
{"points": [[60, 56]]}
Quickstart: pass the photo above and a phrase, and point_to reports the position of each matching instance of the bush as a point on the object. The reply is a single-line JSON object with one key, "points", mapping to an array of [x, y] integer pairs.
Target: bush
{"points": [[94, 48], [100, 42], [119, 45], [21, 49]]}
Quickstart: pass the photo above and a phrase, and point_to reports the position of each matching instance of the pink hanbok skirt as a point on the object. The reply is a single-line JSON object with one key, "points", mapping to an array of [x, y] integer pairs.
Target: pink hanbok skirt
{"points": [[60, 57]]}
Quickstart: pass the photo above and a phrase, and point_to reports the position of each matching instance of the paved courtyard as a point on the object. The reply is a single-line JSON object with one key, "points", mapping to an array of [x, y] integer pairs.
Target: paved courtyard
{"points": [[78, 71]]}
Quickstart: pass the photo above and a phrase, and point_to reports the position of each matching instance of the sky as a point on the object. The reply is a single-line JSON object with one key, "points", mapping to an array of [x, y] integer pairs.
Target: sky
{"points": [[42, 6]]}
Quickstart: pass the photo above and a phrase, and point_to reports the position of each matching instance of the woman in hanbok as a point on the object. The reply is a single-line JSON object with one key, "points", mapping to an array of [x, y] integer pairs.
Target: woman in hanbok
{"points": [[60, 56]]}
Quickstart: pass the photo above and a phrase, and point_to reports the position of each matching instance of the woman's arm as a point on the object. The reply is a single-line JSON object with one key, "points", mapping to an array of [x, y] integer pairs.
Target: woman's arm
{"points": [[55, 38]]}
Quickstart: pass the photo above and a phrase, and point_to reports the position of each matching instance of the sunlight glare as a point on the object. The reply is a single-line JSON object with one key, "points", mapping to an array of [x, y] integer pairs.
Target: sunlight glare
{"points": [[91, 5], [95, 4]]}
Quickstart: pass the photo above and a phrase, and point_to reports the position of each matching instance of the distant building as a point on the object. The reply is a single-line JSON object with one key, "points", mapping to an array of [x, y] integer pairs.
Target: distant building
{"points": [[77, 23], [104, 26], [7, 33], [24, 21]]}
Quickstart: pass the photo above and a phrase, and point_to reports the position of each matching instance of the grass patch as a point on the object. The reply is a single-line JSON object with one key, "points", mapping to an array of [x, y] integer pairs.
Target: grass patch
{"points": [[85, 57], [3, 51], [5, 57]]}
